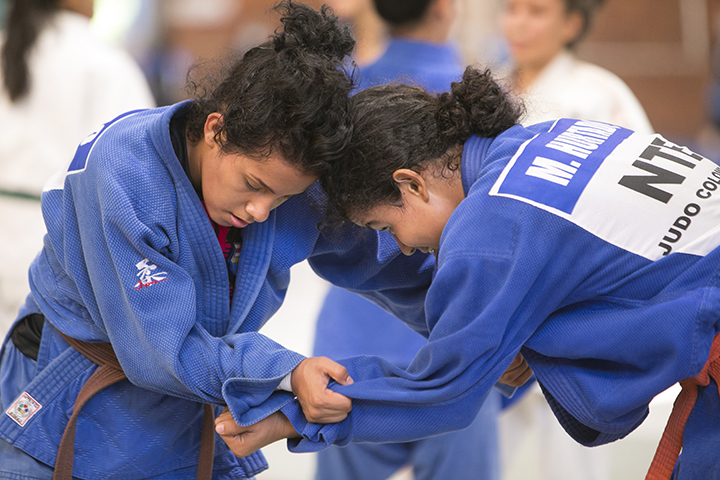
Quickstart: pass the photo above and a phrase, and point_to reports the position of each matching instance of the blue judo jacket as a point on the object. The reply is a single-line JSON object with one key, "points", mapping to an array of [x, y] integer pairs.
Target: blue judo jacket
{"points": [[591, 249], [130, 258], [432, 66]]}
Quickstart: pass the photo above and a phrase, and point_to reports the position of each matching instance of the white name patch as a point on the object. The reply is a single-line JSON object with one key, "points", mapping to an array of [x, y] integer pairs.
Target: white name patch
{"points": [[641, 193]]}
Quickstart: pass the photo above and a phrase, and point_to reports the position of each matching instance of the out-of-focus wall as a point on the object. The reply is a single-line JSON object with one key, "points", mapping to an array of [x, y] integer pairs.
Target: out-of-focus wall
{"points": [[476, 32], [662, 50]]}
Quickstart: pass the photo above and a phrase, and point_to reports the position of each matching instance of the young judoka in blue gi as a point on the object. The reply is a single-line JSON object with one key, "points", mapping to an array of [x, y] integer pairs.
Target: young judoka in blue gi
{"points": [[170, 239], [588, 247], [348, 325]]}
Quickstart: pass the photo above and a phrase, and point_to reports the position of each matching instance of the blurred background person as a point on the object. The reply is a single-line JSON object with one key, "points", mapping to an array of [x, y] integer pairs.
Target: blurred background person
{"points": [[541, 37], [348, 325], [59, 84], [418, 50], [368, 28]]}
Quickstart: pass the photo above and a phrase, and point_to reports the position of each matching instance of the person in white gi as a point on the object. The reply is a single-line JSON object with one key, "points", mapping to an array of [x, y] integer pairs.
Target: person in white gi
{"points": [[552, 81], [59, 83]]}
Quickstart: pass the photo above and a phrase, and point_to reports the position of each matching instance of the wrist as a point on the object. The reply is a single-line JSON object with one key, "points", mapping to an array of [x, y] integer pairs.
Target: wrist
{"points": [[294, 376], [288, 429]]}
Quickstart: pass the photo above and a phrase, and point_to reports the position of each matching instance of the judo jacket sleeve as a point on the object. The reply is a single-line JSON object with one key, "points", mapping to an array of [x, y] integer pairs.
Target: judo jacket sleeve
{"points": [[372, 265], [480, 309]]}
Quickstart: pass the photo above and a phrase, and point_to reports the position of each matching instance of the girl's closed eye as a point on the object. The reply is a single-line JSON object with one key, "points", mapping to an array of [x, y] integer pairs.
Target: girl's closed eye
{"points": [[251, 187]]}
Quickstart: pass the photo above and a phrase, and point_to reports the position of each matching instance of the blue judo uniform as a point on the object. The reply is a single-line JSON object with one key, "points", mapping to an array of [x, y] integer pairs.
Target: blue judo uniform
{"points": [[349, 325], [131, 258], [432, 66], [590, 249]]}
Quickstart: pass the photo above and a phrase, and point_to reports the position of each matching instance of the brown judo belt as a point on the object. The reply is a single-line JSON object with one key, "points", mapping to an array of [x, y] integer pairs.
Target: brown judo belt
{"points": [[109, 373], [671, 442]]}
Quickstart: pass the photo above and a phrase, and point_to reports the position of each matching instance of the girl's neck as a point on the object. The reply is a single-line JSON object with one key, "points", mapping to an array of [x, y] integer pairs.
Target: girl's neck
{"points": [[194, 163], [428, 33], [83, 7], [524, 77], [455, 190]]}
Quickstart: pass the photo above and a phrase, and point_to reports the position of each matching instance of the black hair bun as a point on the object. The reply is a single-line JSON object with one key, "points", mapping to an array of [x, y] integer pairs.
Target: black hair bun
{"points": [[305, 29], [476, 105]]}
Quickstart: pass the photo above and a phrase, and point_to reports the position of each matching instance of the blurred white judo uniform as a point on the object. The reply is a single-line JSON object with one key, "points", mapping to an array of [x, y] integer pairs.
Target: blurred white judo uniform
{"points": [[76, 84]]}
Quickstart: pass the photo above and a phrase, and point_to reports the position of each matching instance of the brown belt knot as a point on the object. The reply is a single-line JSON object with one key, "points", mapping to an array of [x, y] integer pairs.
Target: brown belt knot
{"points": [[668, 450]]}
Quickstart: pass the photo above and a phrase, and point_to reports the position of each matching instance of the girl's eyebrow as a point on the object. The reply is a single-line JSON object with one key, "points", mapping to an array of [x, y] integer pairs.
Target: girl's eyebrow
{"points": [[272, 192]]}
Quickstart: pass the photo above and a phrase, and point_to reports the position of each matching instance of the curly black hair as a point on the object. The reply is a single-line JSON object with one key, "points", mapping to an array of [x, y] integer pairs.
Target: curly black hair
{"points": [[402, 126], [288, 95]]}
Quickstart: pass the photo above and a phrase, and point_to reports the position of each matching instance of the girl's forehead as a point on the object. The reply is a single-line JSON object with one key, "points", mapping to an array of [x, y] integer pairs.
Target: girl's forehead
{"points": [[279, 176]]}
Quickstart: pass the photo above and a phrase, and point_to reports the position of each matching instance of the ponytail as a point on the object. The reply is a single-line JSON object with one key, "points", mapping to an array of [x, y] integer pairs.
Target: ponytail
{"points": [[475, 106], [306, 31], [25, 20], [402, 126]]}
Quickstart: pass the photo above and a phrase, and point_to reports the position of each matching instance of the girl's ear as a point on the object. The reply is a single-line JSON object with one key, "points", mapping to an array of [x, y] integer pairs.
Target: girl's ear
{"points": [[411, 183], [213, 124]]}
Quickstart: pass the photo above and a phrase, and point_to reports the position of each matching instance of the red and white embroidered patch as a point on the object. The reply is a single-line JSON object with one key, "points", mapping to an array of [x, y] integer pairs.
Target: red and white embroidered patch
{"points": [[148, 275], [23, 409]]}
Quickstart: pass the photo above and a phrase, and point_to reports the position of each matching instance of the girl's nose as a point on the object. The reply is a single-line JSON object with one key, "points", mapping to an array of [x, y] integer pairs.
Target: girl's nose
{"points": [[258, 210], [404, 248]]}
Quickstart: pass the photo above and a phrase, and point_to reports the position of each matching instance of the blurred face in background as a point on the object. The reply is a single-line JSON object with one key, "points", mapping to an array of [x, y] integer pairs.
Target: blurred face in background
{"points": [[83, 7], [537, 30]]}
